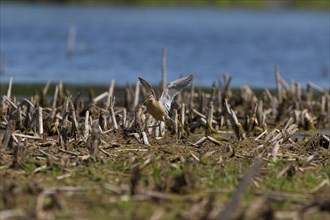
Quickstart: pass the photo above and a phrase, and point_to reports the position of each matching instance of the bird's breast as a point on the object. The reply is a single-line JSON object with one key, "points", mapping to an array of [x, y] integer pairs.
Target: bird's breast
{"points": [[156, 110]]}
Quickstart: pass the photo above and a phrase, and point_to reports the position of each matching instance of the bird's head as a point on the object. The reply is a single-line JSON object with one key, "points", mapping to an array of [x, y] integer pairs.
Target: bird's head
{"points": [[149, 99]]}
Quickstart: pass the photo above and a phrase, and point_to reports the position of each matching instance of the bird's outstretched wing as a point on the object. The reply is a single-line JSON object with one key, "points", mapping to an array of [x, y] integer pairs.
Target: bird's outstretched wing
{"points": [[172, 90], [148, 87]]}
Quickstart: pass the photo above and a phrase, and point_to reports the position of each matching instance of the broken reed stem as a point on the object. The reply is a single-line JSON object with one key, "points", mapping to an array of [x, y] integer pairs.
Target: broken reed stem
{"points": [[9, 101], [262, 134], [13, 214], [64, 130], [105, 152], [19, 123], [94, 140], [225, 92], [284, 134], [323, 105], [213, 140], [278, 83], [163, 69], [201, 102], [200, 142], [210, 116], [86, 127], [276, 147], [65, 121], [145, 139], [48, 154], [60, 91], [29, 102], [284, 84], [237, 127], [40, 121], [45, 89], [135, 177], [241, 188], [28, 118], [252, 121], [124, 118], [289, 122], [6, 137], [55, 97], [156, 129], [226, 80], [101, 96], [17, 148], [9, 87], [315, 87], [26, 136], [112, 113], [276, 138], [192, 92], [176, 121], [136, 95], [128, 98], [103, 119], [74, 118], [183, 111], [69, 152], [210, 109], [161, 128], [261, 115], [110, 93]]}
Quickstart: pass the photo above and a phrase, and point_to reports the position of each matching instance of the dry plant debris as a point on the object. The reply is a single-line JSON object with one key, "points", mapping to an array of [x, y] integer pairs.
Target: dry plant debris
{"points": [[235, 155]]}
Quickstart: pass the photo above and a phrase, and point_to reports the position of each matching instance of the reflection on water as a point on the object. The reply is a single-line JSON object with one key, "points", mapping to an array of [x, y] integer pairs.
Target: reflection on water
{"points": [[123, 43]]}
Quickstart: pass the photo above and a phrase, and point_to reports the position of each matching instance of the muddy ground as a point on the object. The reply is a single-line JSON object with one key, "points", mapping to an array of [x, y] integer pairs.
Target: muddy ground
{"points": [[112, 173]]}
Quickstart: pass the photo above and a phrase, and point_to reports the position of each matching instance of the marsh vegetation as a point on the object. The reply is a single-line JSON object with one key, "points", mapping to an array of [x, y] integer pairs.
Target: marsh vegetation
{"points": [[238, 155]]}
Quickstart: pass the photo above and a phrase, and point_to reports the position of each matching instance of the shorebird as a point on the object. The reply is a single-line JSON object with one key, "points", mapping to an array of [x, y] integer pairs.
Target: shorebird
{"points": [[159, 108]]}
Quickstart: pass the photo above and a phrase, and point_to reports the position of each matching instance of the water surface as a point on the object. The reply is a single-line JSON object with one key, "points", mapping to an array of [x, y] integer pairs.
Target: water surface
{"points": [[123, 43]]}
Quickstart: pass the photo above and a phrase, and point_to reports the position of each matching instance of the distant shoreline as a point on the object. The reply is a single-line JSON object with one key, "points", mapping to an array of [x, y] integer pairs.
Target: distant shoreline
{"points": [[223, 4], [29, 89]]}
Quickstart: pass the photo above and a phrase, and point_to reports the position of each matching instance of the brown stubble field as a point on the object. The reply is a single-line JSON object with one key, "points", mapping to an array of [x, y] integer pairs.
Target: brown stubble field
{"points": [[240, 154]]}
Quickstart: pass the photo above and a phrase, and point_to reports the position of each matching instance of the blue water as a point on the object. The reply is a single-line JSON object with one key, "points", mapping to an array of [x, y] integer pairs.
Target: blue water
{"points": [[123, 43]]}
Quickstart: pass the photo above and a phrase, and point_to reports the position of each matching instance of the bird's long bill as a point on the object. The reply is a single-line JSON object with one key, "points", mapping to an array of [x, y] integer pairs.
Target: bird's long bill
{"points": [[144, 103], [147, 99]]}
